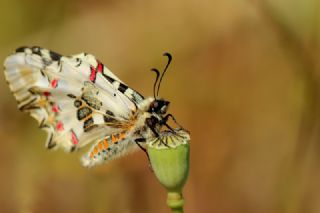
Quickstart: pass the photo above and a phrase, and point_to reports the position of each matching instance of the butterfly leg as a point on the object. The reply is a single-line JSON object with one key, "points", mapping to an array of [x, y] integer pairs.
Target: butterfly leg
{"points": [[159, 136], [164, 122], [143, 140], [165, 119], [152, 122]]}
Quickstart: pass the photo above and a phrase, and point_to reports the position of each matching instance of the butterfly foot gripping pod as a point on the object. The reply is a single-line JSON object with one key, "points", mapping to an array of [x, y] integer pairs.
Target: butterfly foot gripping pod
{"points": [[170, 164]]}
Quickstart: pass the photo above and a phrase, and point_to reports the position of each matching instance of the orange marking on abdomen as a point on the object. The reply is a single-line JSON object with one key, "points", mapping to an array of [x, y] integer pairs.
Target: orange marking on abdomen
{"points": [[95, 150], [105, 143], [122, 136], [113, 139], [100, 146], [91, 154]]}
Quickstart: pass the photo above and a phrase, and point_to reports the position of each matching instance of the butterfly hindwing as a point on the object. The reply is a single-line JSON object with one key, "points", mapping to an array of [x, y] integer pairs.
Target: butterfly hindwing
{"points": [[108, 148]]}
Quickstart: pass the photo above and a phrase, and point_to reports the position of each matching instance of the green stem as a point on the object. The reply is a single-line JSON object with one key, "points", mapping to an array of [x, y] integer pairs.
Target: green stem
{"points": [[177, 210], [175, 202]]}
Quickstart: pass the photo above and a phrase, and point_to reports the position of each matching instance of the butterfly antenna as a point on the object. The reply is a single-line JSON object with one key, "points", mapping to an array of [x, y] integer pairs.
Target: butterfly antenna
{"points": [[155, 82], [165, 69]]}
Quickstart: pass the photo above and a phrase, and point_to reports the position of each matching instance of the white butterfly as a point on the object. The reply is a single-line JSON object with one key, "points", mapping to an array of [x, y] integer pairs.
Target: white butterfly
{"points": [[78, 101]]}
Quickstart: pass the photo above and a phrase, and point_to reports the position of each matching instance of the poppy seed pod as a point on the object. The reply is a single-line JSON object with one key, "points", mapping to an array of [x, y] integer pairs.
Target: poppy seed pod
{"points": [[169, 158]]}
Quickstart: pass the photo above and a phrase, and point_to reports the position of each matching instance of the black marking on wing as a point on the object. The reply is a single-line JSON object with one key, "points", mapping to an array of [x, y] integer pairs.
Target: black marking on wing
{"points": [[21, 49], [109, 119], [43, 125], [73, 148], [71, 96], [135, 97], [122, 87], [83, 112], [77, 103], [47, 58], [89, 124], [51, 143], [32, 91], [28, 106], [111, 80], [92, 103], [42, 73], [79, 62], [55, 56], [108, 112]]}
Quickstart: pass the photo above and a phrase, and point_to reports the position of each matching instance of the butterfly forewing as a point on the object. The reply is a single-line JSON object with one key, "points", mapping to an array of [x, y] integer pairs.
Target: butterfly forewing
{"points": [[76, 99]]}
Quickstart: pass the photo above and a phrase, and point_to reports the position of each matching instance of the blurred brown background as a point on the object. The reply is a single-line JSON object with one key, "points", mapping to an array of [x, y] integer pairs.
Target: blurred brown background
{"points": [[244, 81]]}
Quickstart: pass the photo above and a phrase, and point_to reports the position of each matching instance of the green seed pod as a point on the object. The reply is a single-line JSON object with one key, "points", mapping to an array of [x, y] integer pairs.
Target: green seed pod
{"points": [[169, 158]]}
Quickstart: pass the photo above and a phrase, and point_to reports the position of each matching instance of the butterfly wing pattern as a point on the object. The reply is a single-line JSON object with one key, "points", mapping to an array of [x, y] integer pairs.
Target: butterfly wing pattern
{"points": [[76, 100]]}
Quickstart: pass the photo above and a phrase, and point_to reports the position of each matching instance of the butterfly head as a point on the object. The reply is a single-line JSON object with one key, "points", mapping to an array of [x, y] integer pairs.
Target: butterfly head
{"points": [[159, 106]]}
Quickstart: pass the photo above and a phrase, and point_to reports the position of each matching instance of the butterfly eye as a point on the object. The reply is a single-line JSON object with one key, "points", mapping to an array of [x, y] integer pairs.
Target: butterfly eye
{"points": [[155, 104]]}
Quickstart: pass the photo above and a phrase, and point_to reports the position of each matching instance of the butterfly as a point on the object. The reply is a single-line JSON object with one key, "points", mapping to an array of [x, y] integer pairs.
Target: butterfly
{"points": [[78, 101]]}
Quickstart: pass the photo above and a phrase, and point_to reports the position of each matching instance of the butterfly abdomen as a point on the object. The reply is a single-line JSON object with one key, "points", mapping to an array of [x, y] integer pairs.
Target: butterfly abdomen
{"points": [[107, 149]]}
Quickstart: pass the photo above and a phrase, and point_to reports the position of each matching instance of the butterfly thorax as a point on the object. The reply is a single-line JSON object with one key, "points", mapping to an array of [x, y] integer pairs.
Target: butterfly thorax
{"points": [[150, 116], [142, 115]]}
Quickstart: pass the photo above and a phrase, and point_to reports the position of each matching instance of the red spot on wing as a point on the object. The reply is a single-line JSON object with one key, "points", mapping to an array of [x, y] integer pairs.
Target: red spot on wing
{"points": [[59, 126], [100, 67], [55, 108], [74, 138], [93, 73], [46, 93], [54, 83]]}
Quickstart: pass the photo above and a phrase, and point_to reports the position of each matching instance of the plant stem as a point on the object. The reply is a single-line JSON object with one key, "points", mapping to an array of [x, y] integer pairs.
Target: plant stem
{"points": [[175, 202]]}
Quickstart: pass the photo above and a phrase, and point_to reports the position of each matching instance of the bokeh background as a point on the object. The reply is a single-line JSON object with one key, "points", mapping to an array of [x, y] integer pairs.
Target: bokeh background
{"points": [[245, 81]]}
